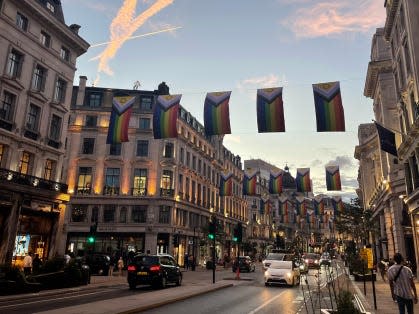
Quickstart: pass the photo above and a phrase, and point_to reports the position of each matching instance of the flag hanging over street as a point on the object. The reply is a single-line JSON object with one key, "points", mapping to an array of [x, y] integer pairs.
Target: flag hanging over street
{"points": [[226, 184], [165, 116], [303, 180], [249, 184], [217, 114], [333, 178], [387, 139], [337, 205], [318, 207], [270, 110], [119, 120], [275, 183], [329, 109]]}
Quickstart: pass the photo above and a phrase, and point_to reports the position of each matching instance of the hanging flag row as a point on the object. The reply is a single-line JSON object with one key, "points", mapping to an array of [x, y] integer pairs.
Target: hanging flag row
{"points": [[269, 111]]}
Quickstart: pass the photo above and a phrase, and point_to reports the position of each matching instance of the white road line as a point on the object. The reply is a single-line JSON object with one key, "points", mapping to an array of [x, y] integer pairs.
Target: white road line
{"points": [[266, 303], [48, 300]]}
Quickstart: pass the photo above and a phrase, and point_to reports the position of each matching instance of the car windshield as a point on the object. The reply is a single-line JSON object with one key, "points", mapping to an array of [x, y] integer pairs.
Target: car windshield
{"points": [[281, 265], [311, 256], [146, 260], [275, 256]]}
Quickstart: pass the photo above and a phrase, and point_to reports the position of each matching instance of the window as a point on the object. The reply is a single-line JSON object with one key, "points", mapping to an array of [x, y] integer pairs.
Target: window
{"points": [[50, 7], [79, 213], [84, 182], [182, 155], [95, 215], [140, 182], [88, 145], [60, 89], [2, 150], [25, 163], [146, 103], [109, 213], [8, 104], [33, 118], [14, 64], [91, 121], [166, 180], [65, 54], [139, 214], [38, 80], [22, 21], [45, 39], [407, 58], [144, 123], [49, 168], [112, 181], [164, 214], [180, 183], [115, 149], [94, 100], [55, 129], [168, 150], [142, 148], [123, 215]]}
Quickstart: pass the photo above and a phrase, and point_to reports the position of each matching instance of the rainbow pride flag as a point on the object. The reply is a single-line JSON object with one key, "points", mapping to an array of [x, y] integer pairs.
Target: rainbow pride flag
{"points": [[270, 110], [285, 219], [329, 109], [226, 184], [318, 207], [275, 183], [119, 121], [283, 208], [333, 178], [303, 180], [165, 116], [337, 205], [217, 114], [249, 184], [301, 208]]}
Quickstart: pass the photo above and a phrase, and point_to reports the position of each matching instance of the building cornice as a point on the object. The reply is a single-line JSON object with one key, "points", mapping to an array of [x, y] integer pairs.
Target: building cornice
{"points": [[391, 14], [374, 69]]}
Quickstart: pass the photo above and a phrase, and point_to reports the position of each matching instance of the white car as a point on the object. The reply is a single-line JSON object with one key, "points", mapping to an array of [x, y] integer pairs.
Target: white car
{"points": [[282, 272], [276, 257]]}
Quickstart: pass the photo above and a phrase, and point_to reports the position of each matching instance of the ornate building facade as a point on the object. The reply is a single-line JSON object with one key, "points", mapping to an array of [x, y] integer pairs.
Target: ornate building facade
{"points": [[38, 53]]}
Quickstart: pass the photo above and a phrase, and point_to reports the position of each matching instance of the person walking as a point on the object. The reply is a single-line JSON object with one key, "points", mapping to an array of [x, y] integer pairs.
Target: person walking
{"points": [[36, 264], [27, 264], [402, 286], [111, 265], [382, 266], [120, 265]]}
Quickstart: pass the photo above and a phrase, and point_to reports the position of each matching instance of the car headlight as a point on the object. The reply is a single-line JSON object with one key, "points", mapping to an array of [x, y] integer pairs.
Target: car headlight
{"points": [[316, 261], [301, 266], [307, 261], [289, 275]]}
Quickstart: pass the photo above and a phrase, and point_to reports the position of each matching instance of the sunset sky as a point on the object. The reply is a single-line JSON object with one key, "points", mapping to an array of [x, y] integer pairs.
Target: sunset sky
{"points": [[199, 46]]}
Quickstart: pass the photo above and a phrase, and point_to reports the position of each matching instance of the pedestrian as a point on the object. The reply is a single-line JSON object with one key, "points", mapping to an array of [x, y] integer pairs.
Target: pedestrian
{"points": [[36, 264], [120, 265], [67, 258], [111, 265], [27, 264], [382, 266], [402, 286], [186, 261]]}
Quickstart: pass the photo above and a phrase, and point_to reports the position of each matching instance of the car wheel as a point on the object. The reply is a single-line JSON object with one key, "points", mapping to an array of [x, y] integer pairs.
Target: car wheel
{"points": [[132, 286], [293, 282], [179, 280], [266, 284], [163, 282]]}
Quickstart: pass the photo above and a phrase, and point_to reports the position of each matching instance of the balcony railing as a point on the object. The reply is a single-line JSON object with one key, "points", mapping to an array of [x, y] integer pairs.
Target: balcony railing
{"points": [[167, 192], [110, 190], [139, 191], [83, 190], [27, 180]]}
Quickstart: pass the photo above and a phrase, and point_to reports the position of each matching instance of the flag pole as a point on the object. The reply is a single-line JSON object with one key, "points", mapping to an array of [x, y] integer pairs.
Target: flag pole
{"points": [[395, 131]]}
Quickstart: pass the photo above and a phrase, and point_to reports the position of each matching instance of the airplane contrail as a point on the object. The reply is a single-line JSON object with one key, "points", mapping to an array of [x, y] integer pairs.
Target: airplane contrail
{"points": [[139, 36]]}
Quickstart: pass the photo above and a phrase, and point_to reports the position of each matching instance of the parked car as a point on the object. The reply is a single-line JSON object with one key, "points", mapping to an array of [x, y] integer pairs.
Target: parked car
{"points": [[282, 272], [276, 257], [99, 263], [312, 260], [245, 264], [325, 259], [154, 270]]}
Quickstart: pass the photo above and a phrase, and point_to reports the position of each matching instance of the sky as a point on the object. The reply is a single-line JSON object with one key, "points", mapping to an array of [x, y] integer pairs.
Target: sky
{"points": [[201, 46]]}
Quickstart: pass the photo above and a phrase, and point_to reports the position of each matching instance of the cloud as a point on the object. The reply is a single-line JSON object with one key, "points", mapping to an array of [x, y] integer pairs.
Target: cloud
{"points": [[123, 27], [343, 162], [232, 139], [270, 80], [328, 18]]}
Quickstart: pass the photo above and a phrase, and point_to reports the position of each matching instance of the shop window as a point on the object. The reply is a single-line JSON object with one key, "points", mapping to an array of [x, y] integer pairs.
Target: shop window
{"points": [[49, 169], [25, 163], [140, 182], [79, 213], [139, 214], [109, 213], [123, 215], [84, 182], [164, 214]]}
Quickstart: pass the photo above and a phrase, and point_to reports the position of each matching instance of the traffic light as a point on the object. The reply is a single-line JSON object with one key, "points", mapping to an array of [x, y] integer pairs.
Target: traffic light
{"points": [[235, 233], [212, 228], [91, 239], [175, 240], [239, 233]]}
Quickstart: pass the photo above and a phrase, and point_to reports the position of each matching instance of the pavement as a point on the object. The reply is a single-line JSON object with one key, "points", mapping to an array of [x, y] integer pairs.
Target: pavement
{"points": [[196, 283]]}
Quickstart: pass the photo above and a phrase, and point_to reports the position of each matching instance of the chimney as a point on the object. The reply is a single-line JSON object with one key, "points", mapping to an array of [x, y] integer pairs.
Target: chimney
{"points": [[81, 90], [163, 89], [75, 28]]}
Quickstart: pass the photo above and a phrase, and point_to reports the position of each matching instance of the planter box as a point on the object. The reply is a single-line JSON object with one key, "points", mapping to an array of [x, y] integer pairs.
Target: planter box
{"points": [[366, 277]]}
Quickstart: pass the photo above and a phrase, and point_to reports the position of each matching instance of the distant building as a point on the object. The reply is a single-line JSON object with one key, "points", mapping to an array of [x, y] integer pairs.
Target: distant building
{"points": [[146, 194], [38, 53]]}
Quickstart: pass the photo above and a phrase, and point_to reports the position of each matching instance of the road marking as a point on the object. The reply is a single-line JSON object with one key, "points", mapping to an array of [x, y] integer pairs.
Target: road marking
{"points": [[48, 300], [266, 303]]}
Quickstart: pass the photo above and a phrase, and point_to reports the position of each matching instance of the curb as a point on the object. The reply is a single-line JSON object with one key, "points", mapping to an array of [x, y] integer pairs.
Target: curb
{"points": [[176, 299]]}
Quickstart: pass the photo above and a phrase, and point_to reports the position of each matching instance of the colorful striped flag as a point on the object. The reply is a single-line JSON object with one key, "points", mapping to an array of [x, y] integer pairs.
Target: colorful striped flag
{"points": [[275, 183], [216, 113], [333, 178], [226, 184], [303, 180], [284, 208], [337, 205], [318, 207], [249, 184], [270, 110], [329, 109], [119, 121], [301, 208], [165, 116]]}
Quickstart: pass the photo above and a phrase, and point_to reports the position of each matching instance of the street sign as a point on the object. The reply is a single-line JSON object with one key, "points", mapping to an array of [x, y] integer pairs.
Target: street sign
{"points": [[190, 242], [366, 254]]}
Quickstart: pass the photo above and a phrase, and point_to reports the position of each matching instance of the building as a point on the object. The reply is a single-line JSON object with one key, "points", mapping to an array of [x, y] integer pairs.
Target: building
{"points": [[38, 53], [146, 195]]}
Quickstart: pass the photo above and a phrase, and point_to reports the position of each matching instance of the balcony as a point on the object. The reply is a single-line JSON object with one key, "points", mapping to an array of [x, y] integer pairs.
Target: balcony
{"points": [[83, 190], [167, 192], [54, 143], [139, 191], [110, 190], [8, 176], [6, 125], [33, 135]]}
